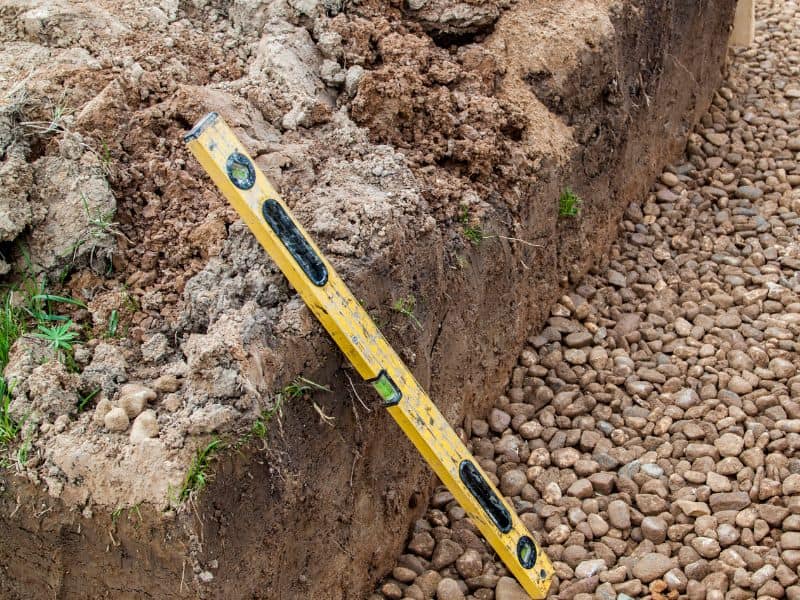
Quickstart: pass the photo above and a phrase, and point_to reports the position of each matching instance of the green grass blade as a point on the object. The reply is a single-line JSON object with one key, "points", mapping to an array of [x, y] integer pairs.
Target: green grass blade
{"points": [[47, 317], [9, 428], [12, 327], [85, 399], [113, 323], [55, 298]]}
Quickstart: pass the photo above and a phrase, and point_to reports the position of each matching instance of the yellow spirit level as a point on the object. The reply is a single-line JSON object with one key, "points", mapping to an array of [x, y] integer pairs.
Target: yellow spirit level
{"points": [[247, 189]]}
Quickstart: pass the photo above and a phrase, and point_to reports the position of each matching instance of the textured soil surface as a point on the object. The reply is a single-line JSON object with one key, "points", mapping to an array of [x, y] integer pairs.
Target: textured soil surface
{"points": [[649, 434], [424, 144]]}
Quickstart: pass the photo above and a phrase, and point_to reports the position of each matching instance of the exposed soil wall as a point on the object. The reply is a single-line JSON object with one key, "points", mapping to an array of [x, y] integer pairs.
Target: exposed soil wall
{"points": [[385, 128]]}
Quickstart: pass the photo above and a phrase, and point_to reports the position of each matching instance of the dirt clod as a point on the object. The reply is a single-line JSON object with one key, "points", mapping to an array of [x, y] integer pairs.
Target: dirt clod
{"points": [[144, 426], [116, 419]]}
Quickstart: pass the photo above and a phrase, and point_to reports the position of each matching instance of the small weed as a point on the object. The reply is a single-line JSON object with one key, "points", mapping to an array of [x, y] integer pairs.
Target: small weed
{"points": [[32, 307], [129, 300], [197, 477], [100, 223], [99, 226], [302, 387], [12, 326], [34, 303], [24, 450], [259, 428], [9, 428], [59, 111], [55, 298], [134, 510], [474, 233], [39, 303], [59, 337], [477, 235], [54, 125], [569, 204], [406, 306], [105, 157], [84, 400], [14, 322]]}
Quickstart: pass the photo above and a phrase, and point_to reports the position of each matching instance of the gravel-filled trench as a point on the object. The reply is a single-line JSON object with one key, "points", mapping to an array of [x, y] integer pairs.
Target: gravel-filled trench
{"points": [[649, 433]]}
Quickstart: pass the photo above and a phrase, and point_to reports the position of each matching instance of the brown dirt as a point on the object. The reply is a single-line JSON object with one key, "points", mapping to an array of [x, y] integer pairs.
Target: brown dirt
{"points": [[493, 114], [131, 106]]}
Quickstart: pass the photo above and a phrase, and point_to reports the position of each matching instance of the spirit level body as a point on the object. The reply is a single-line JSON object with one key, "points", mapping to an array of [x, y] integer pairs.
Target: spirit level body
{"points": [[247, 189]]}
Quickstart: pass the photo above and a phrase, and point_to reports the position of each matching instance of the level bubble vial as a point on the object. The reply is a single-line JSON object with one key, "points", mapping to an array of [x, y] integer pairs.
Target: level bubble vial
{"points": [[241, 171], [386, 389]]}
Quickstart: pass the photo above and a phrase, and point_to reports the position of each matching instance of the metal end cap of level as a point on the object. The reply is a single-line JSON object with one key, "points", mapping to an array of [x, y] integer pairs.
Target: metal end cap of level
{"points": [[195, 131]]}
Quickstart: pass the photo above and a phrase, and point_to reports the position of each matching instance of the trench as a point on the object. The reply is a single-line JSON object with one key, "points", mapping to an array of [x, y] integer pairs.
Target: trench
{"points": [[626, 435]]}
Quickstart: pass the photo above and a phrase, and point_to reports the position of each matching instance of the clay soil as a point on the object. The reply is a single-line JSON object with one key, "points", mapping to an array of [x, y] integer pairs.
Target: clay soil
{"points": [[425, 148]]}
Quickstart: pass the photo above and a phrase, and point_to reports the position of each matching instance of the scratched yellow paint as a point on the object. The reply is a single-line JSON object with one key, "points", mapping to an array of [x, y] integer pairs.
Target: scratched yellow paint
{"points": [[212, 143]]}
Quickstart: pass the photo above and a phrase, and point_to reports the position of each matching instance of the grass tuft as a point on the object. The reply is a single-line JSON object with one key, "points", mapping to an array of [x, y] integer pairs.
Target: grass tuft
{"points": [[9, 427], [12, 326], [100, 225], [31, 308], [55, 124], [473, 232], [569, 204], [260, 427], [198, 477], [405, 306], [301, 386]]}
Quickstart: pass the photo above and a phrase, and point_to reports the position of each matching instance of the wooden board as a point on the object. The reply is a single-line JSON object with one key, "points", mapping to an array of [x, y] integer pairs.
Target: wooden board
{"points": [[744, 24]]}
